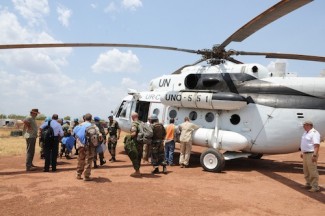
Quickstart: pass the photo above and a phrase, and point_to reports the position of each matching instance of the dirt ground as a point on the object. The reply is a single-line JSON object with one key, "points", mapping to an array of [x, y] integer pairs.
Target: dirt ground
{"points": [[270, 186]]}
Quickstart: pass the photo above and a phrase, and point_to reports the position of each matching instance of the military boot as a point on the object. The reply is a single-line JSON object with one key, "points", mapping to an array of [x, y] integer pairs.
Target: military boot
{"points": [[155, 171], [95, 165], [102, 162]]}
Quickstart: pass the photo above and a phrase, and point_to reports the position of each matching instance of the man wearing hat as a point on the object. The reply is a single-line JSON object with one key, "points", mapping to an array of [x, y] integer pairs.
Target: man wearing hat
{"points": [[114, 135], [310, 141], [30, 134]]}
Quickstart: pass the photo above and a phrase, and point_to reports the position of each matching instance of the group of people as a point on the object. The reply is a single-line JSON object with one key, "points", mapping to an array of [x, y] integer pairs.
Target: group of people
{"points": [[53, 131], [159, 147]]}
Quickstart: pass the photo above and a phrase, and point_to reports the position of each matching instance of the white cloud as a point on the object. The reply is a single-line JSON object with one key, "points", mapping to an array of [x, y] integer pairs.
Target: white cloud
{"points": [[111, 7], [132, 4], [29, 59], [32, 10], [116, 61], [64, 15], [93, 5]]}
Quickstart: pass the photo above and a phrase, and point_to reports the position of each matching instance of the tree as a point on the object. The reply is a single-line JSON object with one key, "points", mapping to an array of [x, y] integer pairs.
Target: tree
{"points": [[67, 118], [3, 116]]}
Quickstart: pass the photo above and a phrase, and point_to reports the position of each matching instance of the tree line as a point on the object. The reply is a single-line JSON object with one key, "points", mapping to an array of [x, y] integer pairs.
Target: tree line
{"points": [[21, 117]]}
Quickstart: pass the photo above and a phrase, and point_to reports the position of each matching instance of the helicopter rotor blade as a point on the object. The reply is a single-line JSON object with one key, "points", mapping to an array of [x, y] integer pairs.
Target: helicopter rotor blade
{"points": [[179, 70], [284, 56], [273, 13], [61, 45]]}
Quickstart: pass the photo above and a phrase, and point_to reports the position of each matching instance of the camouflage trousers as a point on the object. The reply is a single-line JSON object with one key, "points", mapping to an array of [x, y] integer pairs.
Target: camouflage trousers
{"points": [[112, 141], [134, 151], [85, 159], [157, 153]]}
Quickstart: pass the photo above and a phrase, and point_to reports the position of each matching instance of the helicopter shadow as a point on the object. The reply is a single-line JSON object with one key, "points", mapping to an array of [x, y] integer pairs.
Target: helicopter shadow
{"points": [[272, 169]]}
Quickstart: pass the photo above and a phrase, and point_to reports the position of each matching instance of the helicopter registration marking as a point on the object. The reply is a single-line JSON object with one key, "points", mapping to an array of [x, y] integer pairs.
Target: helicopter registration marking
{"points": [[150, 96]]}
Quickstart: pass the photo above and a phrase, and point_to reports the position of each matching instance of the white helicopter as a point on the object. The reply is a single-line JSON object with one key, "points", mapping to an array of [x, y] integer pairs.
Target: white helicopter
{"points": [[244, 110]]}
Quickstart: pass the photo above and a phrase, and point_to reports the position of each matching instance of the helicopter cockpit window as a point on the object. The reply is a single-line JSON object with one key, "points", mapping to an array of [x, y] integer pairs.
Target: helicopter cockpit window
{"points": [[209, 117], [123, 109], [193, 115], [172, 114], [235, 119]]}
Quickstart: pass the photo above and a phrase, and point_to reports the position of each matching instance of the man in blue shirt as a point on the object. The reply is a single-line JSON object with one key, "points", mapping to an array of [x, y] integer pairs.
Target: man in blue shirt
{"points": [[51, 147], [86, 150]]}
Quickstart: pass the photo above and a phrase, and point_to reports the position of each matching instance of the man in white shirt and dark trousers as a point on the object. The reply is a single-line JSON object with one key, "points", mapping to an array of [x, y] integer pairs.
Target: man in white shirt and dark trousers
{"points": [[310, 142]]}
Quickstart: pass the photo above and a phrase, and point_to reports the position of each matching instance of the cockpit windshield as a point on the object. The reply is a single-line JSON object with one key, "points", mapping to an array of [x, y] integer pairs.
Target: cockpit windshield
{"points": [[124, 109]]}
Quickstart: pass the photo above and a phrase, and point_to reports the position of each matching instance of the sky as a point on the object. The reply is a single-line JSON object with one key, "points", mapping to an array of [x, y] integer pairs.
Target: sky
{"points": [[75, 81]]}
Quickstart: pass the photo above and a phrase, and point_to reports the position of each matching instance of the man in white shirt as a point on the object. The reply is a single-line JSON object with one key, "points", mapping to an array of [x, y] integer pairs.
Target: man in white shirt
{"points": [[310, 142]]}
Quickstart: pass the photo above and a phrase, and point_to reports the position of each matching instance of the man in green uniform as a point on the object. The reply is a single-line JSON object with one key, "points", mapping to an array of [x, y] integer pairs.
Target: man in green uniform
{"points": [[30, 134], [114, 132], [157, 145], [132, 146]]}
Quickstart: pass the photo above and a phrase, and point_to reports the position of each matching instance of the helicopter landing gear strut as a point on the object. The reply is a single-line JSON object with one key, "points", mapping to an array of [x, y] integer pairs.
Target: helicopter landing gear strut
{"points": [[211, 160]]}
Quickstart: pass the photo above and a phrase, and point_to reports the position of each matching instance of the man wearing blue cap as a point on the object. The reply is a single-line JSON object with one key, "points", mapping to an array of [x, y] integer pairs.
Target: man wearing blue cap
{"points": [[157, 145], [102, 131]]}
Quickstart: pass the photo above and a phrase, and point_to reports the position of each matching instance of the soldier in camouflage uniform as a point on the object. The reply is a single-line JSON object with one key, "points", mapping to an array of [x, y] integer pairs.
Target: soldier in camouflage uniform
{"points": [[102, 161], [157, 145], [133, 147], [114, 135]]}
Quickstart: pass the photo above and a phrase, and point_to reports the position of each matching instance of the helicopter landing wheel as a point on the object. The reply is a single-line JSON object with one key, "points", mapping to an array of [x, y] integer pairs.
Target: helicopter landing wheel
{"points": [[213, 161]]}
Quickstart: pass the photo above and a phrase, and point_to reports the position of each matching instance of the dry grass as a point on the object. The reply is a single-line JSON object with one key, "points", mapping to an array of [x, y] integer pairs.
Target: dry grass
{"points": [[10, 145]]}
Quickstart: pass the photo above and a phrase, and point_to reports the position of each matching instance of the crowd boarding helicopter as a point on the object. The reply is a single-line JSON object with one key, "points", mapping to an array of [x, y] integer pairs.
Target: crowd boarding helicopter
{"points": [[244, 110]]}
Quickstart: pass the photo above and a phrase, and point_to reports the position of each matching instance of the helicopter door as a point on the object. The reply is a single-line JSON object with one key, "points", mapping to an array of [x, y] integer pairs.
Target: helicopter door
{"points": [[142, 109]]}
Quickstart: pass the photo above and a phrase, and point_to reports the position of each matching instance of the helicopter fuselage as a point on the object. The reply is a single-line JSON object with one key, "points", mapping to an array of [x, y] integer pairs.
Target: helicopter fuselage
{"points": [[238, 107]]}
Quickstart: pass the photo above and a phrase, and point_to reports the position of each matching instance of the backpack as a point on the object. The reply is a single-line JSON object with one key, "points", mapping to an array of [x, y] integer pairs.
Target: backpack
{"points": [[145, 132], [47, 134], [91, 135], [159, 132]]}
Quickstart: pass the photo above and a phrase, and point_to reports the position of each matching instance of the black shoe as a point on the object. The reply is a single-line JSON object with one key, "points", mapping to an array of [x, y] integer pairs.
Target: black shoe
{"points": [[102, 162], [111, 159], [156, 170], [46, 170], [95, 165], [54, 170]]}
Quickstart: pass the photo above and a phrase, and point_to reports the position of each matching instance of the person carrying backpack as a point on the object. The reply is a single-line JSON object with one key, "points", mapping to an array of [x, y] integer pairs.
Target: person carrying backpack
{"points": [[157, 145], [87, 137], [132, 146], [51, 132], [102, 160]]}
